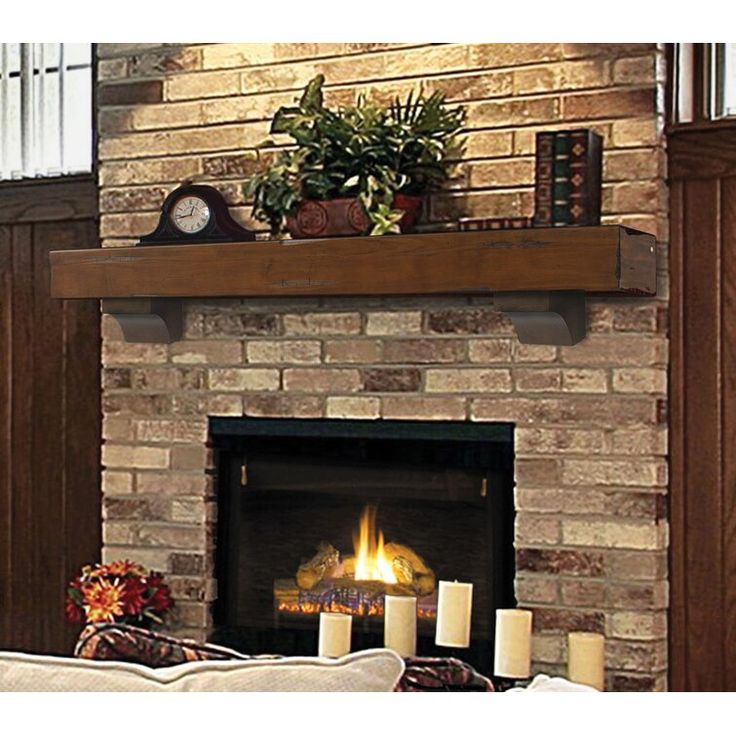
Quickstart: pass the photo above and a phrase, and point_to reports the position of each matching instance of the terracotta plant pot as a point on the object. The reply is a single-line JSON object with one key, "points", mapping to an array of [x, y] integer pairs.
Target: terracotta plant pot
{"points": [[340, 217]]}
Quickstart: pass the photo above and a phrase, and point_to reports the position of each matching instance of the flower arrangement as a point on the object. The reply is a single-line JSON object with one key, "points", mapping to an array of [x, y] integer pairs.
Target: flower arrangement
{"points": [[121, 592]]}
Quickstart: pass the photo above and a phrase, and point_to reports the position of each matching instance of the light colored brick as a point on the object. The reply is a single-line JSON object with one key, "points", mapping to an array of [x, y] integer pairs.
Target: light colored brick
{"points": [[490, 350], [630, 472], [134, 456], [393, 323], [423, 407], [523, 353], [129, 353], [322, 380], [640, 380], [585, 380], [353, 407], [613, 534], [115, 481], [352, 351], [211, 352], [283, 351], [637, 625], [619, 350], [322, 323], [244, 379], [648, 441], [550, 441], [462, 380], [531, 530], [537, 380]]}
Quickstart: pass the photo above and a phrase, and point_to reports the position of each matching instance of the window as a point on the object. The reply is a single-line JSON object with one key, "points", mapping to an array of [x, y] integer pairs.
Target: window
{"points": [[45, 109], [724, 80]]}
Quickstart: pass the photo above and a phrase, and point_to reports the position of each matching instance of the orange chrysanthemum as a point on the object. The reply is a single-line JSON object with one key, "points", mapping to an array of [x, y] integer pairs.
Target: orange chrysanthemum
{"points": [[121, 568], [103, 601]]}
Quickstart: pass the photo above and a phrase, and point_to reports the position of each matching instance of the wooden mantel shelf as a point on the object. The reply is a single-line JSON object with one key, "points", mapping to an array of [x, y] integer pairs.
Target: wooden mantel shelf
{"points": [[549, 265]]}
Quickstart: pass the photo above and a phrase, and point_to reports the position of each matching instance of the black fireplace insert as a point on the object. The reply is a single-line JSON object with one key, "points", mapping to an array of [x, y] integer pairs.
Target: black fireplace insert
{"points": [[308, 508]]}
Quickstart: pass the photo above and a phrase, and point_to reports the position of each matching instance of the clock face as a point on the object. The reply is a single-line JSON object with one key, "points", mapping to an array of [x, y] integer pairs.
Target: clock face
{"points": [[190, 214]]}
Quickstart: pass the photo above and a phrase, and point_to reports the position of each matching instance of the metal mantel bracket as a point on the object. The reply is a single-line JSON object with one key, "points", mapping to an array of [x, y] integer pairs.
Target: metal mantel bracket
{"points": [[148, 320], [545, 318]]}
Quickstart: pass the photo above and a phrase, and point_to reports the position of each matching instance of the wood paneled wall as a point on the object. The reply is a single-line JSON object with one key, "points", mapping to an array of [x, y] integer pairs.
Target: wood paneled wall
{"points": [[49, 414], [702, 166]]}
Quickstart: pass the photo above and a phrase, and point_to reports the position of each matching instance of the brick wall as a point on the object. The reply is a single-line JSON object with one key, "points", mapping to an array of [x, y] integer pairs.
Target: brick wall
{"points": [[591, 531]]}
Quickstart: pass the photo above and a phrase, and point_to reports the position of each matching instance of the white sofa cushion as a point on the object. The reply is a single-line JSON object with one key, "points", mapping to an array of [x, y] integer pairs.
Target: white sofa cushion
{"points": [[373, 670]]}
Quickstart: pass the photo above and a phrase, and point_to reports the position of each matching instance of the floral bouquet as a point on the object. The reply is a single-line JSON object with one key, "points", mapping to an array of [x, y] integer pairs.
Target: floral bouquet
{"points": [[119, 592]]}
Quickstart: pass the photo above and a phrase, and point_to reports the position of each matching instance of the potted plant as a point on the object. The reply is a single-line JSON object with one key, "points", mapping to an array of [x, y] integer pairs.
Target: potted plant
{"points": [[356, 169]]}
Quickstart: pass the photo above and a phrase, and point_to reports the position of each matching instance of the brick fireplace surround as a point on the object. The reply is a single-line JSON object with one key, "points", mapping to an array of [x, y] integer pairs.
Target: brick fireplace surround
{"points": [[591, 440]]}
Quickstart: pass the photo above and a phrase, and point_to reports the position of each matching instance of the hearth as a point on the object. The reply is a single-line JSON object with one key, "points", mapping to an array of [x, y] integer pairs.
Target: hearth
{"points": [[330, 515]]}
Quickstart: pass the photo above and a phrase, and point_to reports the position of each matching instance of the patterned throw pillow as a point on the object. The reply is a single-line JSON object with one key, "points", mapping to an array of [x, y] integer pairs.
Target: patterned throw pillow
{"points": [[123, 643], [440, 674]]}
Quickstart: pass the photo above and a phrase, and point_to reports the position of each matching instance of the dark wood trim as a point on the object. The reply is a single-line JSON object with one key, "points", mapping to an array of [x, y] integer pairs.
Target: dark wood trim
{"points": [[599, 259], [702, 419], [48, 200]]}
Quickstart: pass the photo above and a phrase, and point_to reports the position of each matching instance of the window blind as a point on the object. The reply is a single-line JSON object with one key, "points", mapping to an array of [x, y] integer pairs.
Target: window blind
{"points": [[45, 109]]}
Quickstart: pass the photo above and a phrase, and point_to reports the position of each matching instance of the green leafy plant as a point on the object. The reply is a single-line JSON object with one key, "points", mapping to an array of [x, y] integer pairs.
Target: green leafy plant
{"points": [[367, 150]]}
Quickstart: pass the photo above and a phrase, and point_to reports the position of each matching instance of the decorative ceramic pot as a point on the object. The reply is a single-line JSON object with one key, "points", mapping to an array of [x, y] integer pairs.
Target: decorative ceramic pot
{"points": [[345, 216]]}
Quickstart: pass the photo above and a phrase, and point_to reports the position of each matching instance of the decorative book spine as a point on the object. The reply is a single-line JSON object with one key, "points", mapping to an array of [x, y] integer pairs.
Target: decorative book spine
{"points": [[561, 185], [585, 153], [544, 171], [568, 184]]}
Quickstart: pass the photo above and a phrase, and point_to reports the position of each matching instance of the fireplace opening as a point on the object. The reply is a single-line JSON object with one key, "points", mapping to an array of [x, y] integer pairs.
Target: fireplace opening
{"points": [[330, 515]]}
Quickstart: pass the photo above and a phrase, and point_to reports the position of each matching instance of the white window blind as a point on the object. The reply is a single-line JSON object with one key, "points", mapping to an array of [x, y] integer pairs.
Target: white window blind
{"points": [[729, 79], [45, 109]]}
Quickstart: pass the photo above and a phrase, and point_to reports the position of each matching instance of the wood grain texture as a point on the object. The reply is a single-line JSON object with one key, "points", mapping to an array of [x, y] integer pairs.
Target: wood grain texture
{"points": [[49, 446], [585, 258], [48, 201], [703, 413]]}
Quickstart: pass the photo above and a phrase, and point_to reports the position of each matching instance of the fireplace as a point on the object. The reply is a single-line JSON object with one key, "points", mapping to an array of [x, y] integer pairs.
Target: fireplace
{"points": [[330, 515]]}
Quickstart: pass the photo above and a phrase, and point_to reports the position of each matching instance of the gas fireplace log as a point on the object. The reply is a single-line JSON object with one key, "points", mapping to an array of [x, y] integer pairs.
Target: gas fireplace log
{"points": [[411, 569], [314, 571]]}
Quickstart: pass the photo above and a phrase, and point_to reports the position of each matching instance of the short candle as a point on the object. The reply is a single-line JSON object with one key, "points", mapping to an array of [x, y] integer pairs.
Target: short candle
{"points": [[513, 643], [585, 655], [454, 611], [335, 630]]}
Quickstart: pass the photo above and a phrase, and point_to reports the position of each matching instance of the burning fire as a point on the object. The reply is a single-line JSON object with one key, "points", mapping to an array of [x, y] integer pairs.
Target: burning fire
{"points": [[371, 562]]}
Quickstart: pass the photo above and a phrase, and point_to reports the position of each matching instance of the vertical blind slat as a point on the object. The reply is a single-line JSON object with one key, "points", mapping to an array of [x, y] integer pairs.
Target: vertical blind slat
{"points": [[26, 107], [4, 110]]}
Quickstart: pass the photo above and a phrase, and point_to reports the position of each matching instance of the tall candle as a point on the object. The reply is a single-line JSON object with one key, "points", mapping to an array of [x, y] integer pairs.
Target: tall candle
{"points": [[585, 655], [334, 634], [513, 643], [454, 609], [400, 624]]}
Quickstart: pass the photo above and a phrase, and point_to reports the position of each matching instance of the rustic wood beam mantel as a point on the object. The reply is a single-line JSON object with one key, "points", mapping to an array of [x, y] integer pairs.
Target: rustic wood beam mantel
{"points": [[532, 262]]}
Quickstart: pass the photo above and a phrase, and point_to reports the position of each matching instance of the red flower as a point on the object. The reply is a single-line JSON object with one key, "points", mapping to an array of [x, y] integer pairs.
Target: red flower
{"points": [[72, 610], [160, 599], [133, 602]]}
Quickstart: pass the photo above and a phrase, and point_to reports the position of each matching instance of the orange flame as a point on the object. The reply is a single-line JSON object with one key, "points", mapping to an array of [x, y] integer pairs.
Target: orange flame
{"points": [[371, 562]]}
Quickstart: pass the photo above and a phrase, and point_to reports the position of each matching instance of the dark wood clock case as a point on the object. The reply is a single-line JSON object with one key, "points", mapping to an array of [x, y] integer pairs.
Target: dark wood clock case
{"points": [[221, 228]]}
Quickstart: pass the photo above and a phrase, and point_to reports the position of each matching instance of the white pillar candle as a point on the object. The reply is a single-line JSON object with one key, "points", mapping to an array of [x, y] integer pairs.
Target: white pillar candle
{"points": [[334, 634], [454, 609], [513, 643], [400, 624], [585, 652]]}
